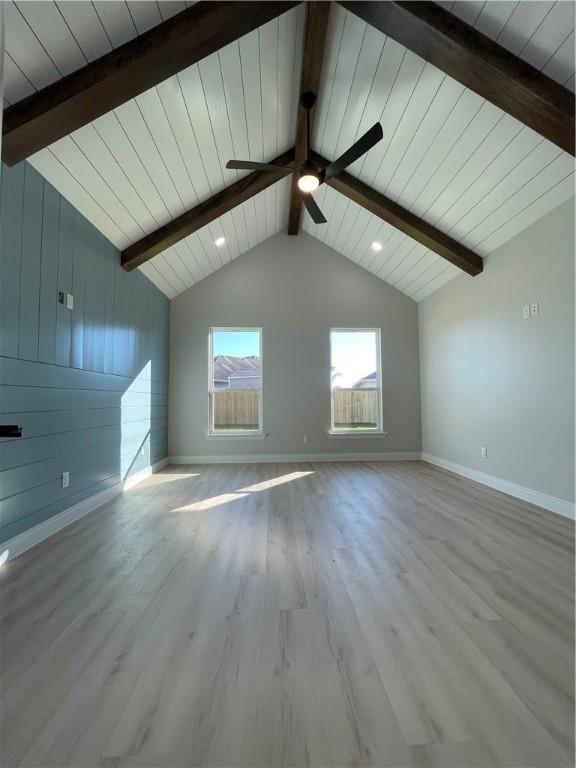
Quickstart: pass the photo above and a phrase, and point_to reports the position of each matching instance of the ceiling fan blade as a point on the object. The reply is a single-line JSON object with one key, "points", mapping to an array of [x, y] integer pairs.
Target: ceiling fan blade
{"points": [[248, 165], [359, 148], [313, 210]]}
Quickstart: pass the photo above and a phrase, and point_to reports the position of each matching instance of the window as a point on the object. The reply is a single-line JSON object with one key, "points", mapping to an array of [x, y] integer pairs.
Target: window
{"points": [[355, 381], [235, 381]]}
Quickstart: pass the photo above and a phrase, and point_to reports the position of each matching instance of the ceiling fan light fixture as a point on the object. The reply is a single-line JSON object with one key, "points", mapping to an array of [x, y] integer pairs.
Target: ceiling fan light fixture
{"points": [[308, 182], [308, 175]]}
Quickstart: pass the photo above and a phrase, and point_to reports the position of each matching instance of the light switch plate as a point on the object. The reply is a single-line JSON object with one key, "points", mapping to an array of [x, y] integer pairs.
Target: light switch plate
{"points": [[66, 299], [526, 311], [65, 479]]}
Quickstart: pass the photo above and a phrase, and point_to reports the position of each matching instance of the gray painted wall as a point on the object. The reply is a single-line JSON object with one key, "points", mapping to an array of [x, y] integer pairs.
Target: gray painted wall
{"points": [[295, 289], [489, 377], [88, 386]]}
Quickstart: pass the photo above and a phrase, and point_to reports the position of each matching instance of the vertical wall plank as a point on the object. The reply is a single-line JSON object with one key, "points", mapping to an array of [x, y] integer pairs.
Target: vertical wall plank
{"points": [[65, 256], [165, 322], [49, 275], [119, 324], [159, 333], [94, 298], [11, 202], [99, 310], [135, 315], [78, 278], [30, 264], [111, 259], [129, 330]]}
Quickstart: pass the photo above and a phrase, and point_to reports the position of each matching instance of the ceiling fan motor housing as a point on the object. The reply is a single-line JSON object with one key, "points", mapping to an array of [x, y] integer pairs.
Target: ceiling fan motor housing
{"points": [[308, 99]]}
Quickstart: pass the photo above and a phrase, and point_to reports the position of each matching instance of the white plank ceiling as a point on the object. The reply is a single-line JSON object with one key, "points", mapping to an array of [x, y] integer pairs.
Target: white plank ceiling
{"points": [[243, 228], [447, 155]]}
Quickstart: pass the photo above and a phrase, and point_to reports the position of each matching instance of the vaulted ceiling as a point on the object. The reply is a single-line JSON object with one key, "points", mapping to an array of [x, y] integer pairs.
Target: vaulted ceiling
{"points": [[448, 155]]}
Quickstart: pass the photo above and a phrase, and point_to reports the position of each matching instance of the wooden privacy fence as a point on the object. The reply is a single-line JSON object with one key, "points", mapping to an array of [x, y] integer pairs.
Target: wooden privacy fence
{"points": [[355, 406], [239, 407], [236, 408]]}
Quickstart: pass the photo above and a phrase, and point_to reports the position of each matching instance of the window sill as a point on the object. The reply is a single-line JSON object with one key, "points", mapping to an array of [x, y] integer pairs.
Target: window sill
{"points": [[358, 433], [236, 435]]}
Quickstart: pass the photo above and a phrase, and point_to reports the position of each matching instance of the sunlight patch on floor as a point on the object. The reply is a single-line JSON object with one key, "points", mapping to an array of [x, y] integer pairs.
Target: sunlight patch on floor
{"points": [[169, 477], [273, 482], [226, 498], [215, 501]]}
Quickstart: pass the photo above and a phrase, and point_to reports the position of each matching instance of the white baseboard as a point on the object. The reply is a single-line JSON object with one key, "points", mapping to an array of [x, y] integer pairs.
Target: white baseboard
{"points": [[38, 533], [268, 458], [24, 541], [552, 503], [143, 474]]}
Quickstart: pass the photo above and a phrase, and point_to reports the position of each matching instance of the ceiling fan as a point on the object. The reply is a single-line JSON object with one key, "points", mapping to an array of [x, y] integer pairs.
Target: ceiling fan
{"points": [[309, 174]]}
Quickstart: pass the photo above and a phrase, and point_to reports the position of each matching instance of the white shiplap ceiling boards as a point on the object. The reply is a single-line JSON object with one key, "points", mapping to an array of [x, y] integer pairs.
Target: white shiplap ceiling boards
{"points": [[447, 155]]}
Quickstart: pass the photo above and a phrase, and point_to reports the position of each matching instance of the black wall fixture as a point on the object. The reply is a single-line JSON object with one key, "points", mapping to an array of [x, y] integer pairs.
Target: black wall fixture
{"points": [[10, 430]]}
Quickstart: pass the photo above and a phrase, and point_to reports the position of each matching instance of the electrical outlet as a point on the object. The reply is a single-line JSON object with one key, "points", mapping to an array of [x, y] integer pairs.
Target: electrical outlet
{"points": [[483, 452], [534, 308], [306, 438], [526, 311], [65, 479]]}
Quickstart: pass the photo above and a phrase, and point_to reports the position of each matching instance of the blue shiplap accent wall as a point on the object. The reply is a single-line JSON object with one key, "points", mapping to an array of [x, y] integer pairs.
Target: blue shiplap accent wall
{"points": [[89, 386]]}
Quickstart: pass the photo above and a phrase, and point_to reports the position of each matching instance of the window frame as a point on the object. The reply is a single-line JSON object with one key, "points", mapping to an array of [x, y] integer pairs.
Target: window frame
{"points": [[378, 430], [254, 433]]}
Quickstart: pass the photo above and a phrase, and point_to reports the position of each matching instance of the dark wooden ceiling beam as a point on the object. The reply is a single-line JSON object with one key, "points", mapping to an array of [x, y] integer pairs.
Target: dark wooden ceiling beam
{"points": [[404, 220], [250, 185], [312, 54], [203, 214], [81, 97], [477, 62]]}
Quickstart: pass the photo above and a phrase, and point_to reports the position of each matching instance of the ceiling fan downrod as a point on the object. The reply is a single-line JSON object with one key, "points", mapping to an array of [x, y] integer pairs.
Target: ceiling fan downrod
{"points": [[309, 178]]}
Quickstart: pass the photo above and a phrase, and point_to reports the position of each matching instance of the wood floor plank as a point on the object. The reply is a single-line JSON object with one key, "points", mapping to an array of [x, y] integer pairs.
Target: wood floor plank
{"points": [[324, 614]]}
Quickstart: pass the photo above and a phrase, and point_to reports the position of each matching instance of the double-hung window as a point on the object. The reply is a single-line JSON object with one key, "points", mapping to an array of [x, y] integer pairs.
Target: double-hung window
{"points": [[235, 381], [355, 381]]}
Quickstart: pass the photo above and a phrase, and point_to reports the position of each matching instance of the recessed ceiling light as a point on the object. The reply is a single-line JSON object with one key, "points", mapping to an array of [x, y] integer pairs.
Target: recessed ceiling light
{"points": [[219, 241], [376, 246]]}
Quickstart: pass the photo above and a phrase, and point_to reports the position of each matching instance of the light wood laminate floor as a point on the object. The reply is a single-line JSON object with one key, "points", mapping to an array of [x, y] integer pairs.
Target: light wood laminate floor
{"points": [[369, 614]]}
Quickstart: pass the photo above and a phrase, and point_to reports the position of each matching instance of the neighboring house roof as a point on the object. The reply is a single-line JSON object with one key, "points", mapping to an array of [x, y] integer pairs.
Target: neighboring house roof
{"points": [[245, 373], [370, 377], [229, 365]]}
